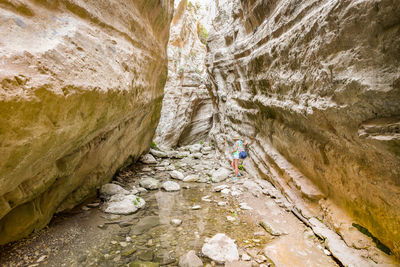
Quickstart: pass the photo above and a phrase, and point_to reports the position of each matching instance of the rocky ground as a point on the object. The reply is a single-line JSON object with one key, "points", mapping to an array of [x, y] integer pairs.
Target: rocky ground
{"points": [[176, 208]]}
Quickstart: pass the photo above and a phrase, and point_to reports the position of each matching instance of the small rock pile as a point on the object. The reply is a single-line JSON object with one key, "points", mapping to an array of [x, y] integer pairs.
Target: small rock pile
{"points": [[193, 163]]}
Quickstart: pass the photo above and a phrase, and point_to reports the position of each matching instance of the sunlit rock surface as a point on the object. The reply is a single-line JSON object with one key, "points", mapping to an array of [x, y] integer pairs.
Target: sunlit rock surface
{"points": [[81, 84], [186, 115], [315, 87]]}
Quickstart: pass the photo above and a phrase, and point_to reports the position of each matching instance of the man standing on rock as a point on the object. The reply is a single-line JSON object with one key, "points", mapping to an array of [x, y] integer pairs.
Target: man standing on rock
{"points": [[237, 148]]}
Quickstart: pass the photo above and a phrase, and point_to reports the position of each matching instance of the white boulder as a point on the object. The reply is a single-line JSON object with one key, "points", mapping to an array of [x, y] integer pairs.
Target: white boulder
{"points": [[220, 175], [148, 159], [221, 248], [158, 153], [149, 183], [181, 155], [112, 189], [124, 204], [206, 150], [177, 175], [191, 178], [195, 148], [171, 186]]}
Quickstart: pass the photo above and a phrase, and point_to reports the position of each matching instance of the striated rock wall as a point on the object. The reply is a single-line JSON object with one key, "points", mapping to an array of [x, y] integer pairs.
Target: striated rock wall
{"points": [[186, 116], [315, 87], [81, 85]]}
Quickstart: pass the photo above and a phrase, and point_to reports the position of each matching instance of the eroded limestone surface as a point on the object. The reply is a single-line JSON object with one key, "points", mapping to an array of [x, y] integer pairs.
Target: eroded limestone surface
{"points": [[315, 87], [186, 116], [81, 84]]}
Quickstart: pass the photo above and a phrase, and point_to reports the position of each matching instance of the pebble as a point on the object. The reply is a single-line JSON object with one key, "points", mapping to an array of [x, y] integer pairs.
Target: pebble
{"points": [[230, 218], [176, 222], [118, 258], [206, 198], [42, 258], [259, 233], [222, 203], [220, 188], [196, 207], [93, 205], [114, 242], [123, 244], [102, 226], [196, 234], [245, 206], [261, 258], [225, 191], [245, 257]]}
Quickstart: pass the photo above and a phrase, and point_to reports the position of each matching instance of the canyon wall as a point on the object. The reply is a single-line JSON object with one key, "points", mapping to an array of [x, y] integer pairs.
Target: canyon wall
{"points": [[314, 86], [81, 86], [186, 115]]}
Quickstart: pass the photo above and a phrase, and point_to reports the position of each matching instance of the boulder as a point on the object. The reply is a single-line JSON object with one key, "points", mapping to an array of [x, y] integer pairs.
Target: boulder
{"points": [[190, 259], [177, 175], [191, 178], [197, 155], [112, 189], [171, 186], [221, 248], [149, 183], [165, 163], [181, 154], [148, 159], [158, 153], [195, 148], [245, 206], [220, 175], [219, 188], [206, 150], [124, 204]]}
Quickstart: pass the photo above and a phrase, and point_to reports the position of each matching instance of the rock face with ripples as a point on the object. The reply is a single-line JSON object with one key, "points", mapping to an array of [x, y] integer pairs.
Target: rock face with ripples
{"points": [[81, 85], [315, 87], [186, 115]]}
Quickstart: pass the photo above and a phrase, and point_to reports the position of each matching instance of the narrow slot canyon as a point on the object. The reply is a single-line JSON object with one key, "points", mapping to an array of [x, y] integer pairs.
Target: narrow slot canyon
{"points": [[121, 123]]}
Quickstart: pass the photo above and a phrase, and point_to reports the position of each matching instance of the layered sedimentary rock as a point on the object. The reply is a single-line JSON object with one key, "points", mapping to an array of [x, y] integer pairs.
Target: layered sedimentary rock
{"points": [[81, 85], [186, 115], [315, 87]]}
